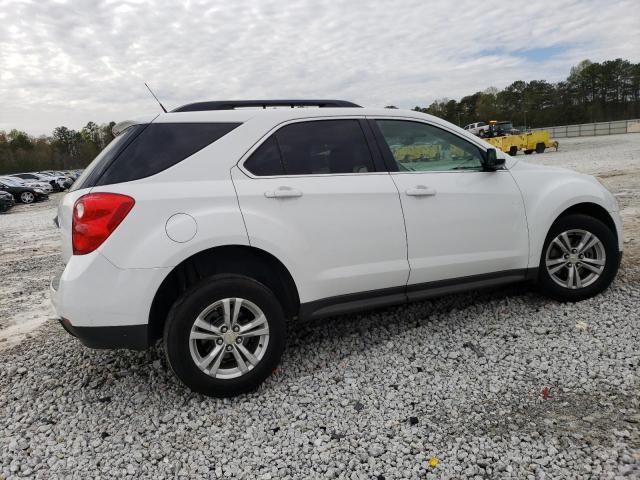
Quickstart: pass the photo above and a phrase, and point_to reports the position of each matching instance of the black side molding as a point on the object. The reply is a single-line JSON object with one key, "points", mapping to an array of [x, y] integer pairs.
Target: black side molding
{"points": [[131, 337], [387, 297]]}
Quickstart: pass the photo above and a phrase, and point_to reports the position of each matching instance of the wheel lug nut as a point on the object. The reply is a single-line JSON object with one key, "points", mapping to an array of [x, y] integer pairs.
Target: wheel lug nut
{"points": [[569, 264], [219, 341], [566, 255], [236, 328], [580, 256], [223, 329], [229, 347], [573, 250], [239, 340]]}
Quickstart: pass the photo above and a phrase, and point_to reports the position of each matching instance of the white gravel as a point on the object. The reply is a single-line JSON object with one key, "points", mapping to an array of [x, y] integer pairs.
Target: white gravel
{"points": [[459, 379]]}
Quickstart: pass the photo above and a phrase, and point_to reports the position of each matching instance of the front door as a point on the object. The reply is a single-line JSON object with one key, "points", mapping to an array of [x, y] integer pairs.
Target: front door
{"points": [[461, 221]]}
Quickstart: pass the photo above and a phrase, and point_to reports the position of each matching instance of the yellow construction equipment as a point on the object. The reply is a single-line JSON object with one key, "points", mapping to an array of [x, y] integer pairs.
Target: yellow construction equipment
{"points": [[508, 144], [537, 142], [503, 136]]}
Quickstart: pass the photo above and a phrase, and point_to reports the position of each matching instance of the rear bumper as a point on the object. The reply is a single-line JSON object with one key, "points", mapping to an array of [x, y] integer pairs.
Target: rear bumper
{"points": [[103, 305]]}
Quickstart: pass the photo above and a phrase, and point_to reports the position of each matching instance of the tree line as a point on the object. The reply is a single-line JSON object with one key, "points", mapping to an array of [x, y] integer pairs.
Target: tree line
{"points": [[65, 149], [593, 92]]}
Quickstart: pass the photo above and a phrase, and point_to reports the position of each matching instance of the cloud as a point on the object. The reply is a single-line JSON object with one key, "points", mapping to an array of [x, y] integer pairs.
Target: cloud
{"points": [[75, 61]]}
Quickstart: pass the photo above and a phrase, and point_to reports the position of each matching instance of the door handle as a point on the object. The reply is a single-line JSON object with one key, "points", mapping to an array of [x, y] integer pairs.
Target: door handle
{"points": [[283, 192], [421, 191]]}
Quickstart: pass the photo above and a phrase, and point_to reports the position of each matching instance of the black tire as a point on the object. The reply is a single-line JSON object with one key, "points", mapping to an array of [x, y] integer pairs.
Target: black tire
{"points": [[513, 151], [27, 197], [183, 315], [612, 261], [540, 147], [528, 152]]}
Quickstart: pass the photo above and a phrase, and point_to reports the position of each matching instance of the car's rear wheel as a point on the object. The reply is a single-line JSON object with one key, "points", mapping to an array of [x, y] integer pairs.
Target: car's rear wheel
{"points": [[580, 258], [513, 151], [27, 197], [540, 147], [225, 336], [528, 152]]}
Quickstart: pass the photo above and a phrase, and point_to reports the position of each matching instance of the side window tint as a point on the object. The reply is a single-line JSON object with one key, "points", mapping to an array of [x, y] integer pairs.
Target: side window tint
{"points": [[420, 147], [266, 159], [324, 147], [160, 146]]}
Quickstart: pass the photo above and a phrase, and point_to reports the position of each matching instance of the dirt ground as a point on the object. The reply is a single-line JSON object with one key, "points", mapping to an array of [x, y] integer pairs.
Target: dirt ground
{"points": [[29, 244]]}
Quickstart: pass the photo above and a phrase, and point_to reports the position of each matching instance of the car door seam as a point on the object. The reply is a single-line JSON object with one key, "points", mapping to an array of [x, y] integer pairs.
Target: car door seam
{"points": [[406, 234], [526, 220], [246, 230]]}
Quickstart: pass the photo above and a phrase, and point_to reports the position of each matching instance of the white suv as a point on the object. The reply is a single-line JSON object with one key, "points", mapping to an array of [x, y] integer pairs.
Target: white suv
{"points": [[212, 225]]}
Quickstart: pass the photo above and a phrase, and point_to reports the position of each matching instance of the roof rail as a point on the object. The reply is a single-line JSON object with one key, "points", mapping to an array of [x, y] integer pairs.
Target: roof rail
{"points": [[233, 104]]}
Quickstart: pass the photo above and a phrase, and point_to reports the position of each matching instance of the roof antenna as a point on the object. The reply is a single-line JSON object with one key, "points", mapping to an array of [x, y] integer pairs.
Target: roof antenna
{"points": [[154, 96]]}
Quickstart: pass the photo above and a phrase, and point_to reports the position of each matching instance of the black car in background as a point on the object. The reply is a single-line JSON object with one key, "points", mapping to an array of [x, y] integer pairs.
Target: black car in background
{"points": [[22, 193], [6, 201]]}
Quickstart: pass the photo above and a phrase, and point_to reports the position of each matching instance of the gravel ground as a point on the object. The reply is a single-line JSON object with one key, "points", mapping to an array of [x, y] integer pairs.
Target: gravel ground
{"points": [[29, 253], [481, 385]]}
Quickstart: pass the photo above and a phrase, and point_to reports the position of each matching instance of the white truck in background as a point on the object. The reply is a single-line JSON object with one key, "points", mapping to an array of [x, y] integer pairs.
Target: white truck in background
{"points": [[478, 128]]}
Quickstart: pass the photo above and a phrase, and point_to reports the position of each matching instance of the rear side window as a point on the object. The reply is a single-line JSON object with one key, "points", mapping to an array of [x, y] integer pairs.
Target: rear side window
{"points": [[96, 168], [313, 148], [144, 150], [160, 146]]}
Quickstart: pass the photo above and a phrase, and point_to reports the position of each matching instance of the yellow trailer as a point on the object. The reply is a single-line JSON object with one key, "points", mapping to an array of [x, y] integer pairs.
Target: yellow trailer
{"points": [[537, 142], [508, 144]]}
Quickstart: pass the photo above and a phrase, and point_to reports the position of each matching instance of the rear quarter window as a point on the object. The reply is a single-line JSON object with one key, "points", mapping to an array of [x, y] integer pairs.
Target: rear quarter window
{"points": [[159, 146]]}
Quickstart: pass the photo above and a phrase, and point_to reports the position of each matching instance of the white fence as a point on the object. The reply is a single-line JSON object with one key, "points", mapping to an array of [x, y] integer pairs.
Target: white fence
{"points": [[592, 129]]}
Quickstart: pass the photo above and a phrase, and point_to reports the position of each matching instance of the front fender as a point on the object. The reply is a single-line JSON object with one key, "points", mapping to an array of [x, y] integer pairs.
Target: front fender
{"points": [[549, 191]]}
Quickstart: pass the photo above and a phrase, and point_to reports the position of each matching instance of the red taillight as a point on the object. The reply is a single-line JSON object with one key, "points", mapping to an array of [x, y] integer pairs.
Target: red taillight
{"points": [[95, 217]]}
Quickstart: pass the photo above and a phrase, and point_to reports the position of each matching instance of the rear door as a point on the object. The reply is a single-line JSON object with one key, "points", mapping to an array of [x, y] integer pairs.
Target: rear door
{"points": [[461, 221], [315, 195]]}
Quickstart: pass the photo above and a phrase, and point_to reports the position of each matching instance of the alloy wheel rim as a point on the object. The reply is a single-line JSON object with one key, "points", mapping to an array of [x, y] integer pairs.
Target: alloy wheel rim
{"points": [[27, 197], [229, 338], [575, 259]]}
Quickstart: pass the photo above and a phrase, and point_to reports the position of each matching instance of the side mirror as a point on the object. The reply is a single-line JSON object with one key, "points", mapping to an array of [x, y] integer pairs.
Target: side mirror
{"points": [[491, 160]]}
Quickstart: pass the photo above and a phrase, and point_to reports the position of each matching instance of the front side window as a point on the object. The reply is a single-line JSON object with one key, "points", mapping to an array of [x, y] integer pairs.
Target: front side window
{"points": [[313, 148], [423, 148]]}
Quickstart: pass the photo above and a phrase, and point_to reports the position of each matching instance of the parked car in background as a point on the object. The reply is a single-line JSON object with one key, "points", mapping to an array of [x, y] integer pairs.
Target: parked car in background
{"points": [[44, 186], [63, 179], [23, 193], [478, 128], [6, 201], [57, 187], [307, 213]]}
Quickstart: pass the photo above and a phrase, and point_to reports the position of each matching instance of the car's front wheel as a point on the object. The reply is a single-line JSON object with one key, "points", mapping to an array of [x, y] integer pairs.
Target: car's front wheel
{"points": [[225, 336], [579, 259]]}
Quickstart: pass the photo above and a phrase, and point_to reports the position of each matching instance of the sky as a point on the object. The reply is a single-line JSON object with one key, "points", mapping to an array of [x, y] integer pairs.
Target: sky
{"points": [[70, 62]]}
